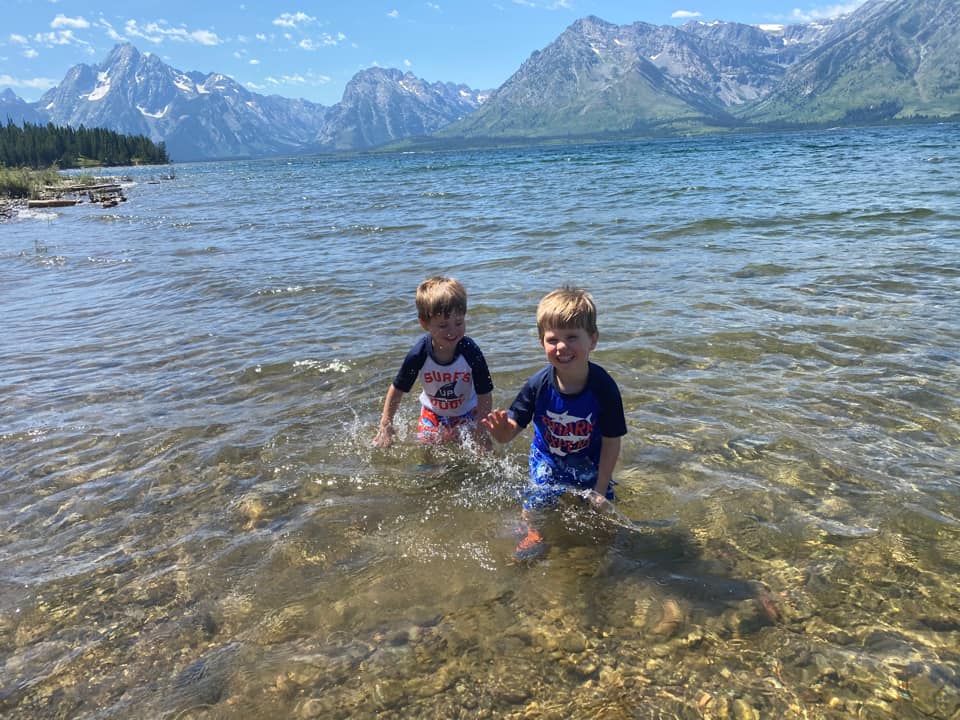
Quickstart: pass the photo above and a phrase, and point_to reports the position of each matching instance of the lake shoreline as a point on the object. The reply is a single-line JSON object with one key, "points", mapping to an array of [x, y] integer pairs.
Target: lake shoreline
{"points": [[9, 208], [104, 190]]}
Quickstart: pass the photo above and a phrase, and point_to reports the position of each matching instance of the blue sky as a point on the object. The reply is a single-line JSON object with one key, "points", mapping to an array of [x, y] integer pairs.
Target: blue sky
{"points": [[311, 49]]}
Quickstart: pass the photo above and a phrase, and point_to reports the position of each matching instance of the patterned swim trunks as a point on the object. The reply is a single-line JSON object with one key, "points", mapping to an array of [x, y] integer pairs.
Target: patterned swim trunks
{"points": [[549, 480], [433, 429]]}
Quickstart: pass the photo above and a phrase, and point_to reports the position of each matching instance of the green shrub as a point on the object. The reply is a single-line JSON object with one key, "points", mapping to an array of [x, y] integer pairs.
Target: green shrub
{"points": [[26, 183]]}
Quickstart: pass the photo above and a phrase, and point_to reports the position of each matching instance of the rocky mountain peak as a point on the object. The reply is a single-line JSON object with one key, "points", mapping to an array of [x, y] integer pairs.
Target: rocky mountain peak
{"points": [[382, 105], [122, 55], [889, 59]]}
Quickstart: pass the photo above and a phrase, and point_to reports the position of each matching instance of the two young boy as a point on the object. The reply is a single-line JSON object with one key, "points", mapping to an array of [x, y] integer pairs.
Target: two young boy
{"points": [[574, 404]]}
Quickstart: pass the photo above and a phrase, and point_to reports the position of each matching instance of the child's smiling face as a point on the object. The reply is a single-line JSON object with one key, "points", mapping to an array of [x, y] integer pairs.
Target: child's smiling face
{"points": [[568, 349], [445, 331]]}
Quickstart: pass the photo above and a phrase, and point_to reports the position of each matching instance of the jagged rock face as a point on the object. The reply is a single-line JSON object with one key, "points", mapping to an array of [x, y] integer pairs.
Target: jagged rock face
{"points": [[745, 62], [595, 77], [889, 59], [385, 105]]}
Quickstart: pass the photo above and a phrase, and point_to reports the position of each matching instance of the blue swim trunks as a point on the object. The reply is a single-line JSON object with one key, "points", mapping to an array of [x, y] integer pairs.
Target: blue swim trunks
{"points": [[550, 478]]}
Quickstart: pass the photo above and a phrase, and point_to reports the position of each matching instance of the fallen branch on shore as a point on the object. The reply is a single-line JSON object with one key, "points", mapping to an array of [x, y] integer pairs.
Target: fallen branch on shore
{"points": [[52, 202]]}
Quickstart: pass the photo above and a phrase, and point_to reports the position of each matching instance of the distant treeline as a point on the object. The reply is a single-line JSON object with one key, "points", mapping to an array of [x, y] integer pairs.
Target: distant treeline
{"points": [[43, 146]]}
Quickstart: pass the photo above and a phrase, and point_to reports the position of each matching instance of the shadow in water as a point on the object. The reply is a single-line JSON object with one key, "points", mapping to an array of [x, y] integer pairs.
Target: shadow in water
{"points": [[655, 576]]}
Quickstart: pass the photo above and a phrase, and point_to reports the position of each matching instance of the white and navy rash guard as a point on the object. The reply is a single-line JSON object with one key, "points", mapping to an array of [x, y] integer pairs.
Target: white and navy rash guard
{"points": [[448, 390]]}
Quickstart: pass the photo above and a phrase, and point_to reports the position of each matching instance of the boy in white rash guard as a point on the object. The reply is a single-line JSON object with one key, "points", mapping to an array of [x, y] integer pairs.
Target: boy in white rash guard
{"points": [[457, 387]]}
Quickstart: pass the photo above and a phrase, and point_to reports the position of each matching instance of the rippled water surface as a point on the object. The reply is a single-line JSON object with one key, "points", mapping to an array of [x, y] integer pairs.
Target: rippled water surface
{"points": [[193, 522]]}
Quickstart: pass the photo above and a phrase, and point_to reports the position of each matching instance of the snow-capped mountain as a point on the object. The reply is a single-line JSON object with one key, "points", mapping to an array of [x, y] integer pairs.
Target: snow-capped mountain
{"points": [[205, 116], [198, 116], [383, 105]]}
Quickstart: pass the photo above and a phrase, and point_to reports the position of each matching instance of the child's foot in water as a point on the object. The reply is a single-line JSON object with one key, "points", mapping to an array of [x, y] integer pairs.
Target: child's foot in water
{"points": [[531, 545]]}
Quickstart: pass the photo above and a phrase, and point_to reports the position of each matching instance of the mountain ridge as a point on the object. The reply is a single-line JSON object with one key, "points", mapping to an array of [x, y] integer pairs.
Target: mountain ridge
{"points": [[889, 61]]}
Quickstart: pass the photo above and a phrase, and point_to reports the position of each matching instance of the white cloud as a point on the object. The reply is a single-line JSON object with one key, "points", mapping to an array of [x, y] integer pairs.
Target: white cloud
{"points": [[62, 21], [30, 53], [19, 39], [292, 20], [433, 6], [297, 79], [111, 33], [555, 5], [324, 40], [407, 63], [59, 37], [394, 14], [825, 11], [254, 61], [31, 83], [157, 32], [684, 14], [205, 37]]}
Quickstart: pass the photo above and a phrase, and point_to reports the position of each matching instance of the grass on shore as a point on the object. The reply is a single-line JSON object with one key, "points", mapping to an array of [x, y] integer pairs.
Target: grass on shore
{"points": [[24, 183]]}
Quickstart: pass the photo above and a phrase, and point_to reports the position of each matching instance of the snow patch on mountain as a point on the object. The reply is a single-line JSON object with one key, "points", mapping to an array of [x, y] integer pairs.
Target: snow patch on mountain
{"points": [[102, 88], [147, 113]]}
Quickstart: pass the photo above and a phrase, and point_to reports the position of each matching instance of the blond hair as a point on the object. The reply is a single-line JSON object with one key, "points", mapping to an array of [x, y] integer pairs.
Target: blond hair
{"points": [[440, 295], [564, 308]]}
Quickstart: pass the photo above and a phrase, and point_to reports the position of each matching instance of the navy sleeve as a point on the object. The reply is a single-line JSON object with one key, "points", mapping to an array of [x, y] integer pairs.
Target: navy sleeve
{"points": [[482, 382], [525, 403], [613, 423], [412, 364]]}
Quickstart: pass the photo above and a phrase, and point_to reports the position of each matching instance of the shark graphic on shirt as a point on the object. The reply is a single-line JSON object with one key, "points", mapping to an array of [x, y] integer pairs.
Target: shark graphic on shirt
{"points": [[564, 432], [447, 392]]}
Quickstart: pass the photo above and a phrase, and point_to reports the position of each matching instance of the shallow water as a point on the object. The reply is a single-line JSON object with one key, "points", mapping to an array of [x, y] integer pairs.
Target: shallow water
{"points": [[193, 522]]}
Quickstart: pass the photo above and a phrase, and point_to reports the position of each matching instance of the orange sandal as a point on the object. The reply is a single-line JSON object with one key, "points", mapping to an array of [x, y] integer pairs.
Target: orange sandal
{"points": [[531, 546]]}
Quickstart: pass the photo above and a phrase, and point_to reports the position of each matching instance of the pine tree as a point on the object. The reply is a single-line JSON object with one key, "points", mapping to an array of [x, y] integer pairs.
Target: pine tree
{"points": [[39, 147]]}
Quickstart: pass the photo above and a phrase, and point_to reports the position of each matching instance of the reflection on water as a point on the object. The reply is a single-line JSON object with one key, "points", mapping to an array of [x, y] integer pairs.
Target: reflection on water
{"points": [[193, 523]]}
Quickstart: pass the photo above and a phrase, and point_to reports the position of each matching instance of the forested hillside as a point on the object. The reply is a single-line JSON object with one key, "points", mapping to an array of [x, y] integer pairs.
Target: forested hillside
{"points": [[42, 146]]}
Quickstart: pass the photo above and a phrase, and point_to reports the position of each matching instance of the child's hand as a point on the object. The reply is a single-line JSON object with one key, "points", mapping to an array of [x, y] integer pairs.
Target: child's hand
{"points": [[384, 437], [500, 426], [598, 501]]}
